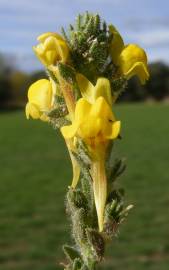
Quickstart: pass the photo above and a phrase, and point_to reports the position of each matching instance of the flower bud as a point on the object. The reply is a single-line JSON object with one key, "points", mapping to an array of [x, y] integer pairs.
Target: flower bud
{"points": [[52, 49]]}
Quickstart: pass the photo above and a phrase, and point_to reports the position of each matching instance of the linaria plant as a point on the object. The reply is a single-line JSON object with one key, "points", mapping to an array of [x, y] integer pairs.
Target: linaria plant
{"points": [[88, 67]]}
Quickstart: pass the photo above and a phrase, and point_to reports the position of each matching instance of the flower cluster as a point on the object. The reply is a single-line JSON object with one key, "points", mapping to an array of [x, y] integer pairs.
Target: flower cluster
{"points": [[92, 119], [79, 95]]}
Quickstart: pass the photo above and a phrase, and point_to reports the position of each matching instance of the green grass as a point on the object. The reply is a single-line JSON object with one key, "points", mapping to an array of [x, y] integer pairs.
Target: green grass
{"points": [[35, 172]]}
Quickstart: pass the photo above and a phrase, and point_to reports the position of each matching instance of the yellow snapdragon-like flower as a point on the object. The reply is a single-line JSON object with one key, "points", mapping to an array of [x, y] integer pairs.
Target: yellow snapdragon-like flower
{"points": [[96, 125], [52, 49], [130, 59], [133, 61], [40, 96]]}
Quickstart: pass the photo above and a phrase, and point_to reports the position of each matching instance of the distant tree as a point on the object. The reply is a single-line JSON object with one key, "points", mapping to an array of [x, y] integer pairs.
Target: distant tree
{"points": [[18, 91], [5, 85], [135, 92], [158, 84], [5, 91]]}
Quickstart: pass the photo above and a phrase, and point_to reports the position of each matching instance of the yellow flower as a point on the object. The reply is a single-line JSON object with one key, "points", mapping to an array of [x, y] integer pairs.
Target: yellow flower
{"points": [[91, 92], [96, 125], [130, 59], [52, 48], [40, 95], [133, 61]]}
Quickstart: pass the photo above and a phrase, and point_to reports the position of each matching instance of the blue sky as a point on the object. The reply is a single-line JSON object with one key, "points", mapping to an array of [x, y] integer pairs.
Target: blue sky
{"points": [[145, 22]]}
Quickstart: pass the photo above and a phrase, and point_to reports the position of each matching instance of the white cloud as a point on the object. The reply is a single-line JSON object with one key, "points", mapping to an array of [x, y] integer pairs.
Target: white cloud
{"points": [[141, 22], [152, 38]]}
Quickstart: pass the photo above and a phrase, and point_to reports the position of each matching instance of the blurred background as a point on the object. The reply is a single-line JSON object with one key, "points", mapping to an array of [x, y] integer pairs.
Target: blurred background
{"points": [[34, 167]]}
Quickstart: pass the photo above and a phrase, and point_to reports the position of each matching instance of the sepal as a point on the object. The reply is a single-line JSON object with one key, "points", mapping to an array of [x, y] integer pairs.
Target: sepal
{"points": [[71, 253], [96, 242], [76, 200], [115, 213], [77, 264], [116, 169], [58, 112]]}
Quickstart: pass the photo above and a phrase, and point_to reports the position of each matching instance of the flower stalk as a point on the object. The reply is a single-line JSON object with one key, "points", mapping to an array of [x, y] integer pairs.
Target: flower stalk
{"points": [[88, 69]]}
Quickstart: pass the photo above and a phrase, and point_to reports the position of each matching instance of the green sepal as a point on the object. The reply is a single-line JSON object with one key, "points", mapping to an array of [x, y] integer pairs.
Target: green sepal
{"points": [[83, 152], [59, 100], [80, 221], [71, 253], [76, 200], [57, 123], [67, 72], [52, 76], [116, 169], [69, 75], [84, 167], [115, 212], [96, 242], [58, 112], [77, 264], [118, 86]]}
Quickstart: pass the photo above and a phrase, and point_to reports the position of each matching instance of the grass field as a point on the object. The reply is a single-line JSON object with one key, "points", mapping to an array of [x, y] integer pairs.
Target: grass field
{"points": [[35, 172]]}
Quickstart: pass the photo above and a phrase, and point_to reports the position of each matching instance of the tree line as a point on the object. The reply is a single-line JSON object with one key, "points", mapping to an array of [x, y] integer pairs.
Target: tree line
{"points": [[14, 84]]}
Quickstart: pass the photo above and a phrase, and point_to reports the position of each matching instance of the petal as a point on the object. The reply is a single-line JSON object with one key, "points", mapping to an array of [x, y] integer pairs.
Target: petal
{"points": [[114, 131], [102, 109], [90, 128], [86, 87], [44, 36], [44, 117], [139, 69], [39, 52], [76, 172], [55, 89], [117, 44], [50, 43], [69, 132], [50, 57], [75, 165], [39, 49], [63, 50], [102, 88], [32, 110], [40, 94], [82, 110]]}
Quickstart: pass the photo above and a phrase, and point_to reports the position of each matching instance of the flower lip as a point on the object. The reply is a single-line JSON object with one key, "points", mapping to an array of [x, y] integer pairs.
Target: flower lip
{"points": [[130, 59], [40, 96], [93, 122]]}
